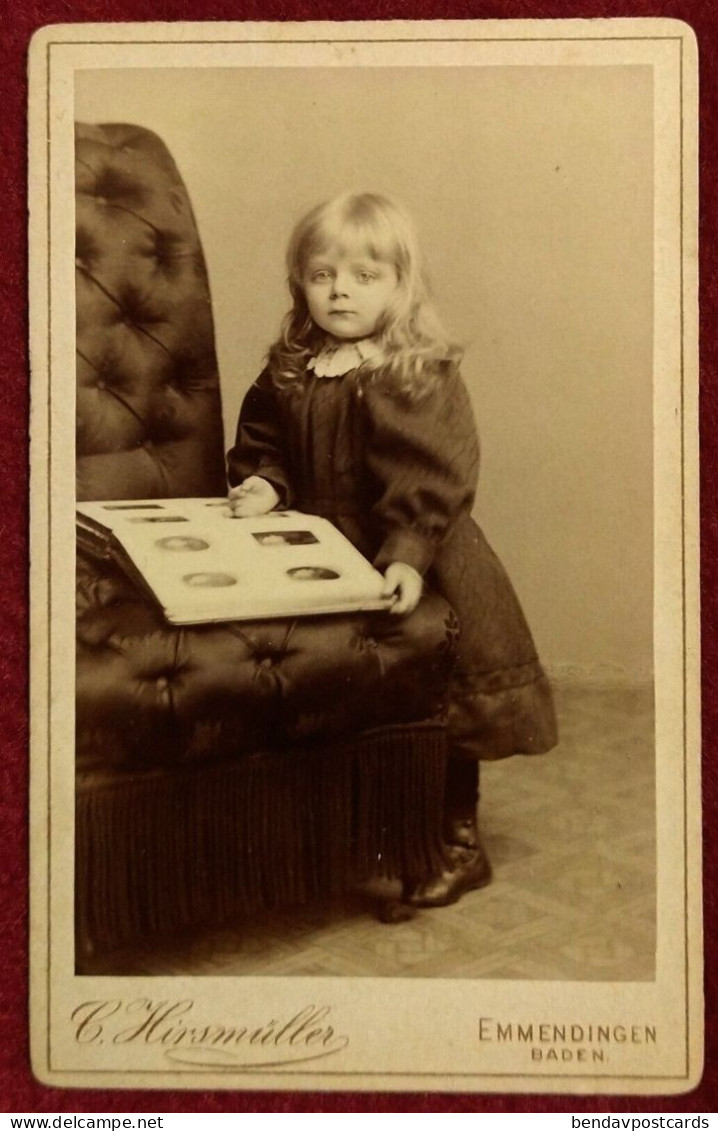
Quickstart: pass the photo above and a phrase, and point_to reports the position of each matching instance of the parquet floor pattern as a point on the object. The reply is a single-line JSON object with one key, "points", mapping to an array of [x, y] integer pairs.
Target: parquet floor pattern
{"points": [[571, 836]]}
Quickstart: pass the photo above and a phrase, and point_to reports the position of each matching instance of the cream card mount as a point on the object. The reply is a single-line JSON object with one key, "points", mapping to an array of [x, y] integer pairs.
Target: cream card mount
{"points": [[524, 1030]]}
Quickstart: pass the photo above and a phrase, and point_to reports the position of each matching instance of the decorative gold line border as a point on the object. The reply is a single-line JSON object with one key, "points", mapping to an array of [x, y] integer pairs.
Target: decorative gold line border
{"points": [[408, 1075], [432, 39], [49, 559], [686, 939]]}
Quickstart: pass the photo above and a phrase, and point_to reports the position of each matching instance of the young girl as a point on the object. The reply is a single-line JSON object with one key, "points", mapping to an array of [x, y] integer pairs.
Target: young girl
{"points": [[361, 416]]}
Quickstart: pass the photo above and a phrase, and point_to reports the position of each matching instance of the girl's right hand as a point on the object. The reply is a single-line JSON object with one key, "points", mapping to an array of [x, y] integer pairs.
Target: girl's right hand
{"points": [[253, 496]]}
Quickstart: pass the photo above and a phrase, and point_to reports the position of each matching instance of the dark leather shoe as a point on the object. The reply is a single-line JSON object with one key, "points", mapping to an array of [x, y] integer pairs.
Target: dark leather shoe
{"points": [[468, 869]]}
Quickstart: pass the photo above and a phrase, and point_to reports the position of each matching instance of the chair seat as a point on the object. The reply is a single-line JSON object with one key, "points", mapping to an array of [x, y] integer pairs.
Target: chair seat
{"points": [[151, 694]]}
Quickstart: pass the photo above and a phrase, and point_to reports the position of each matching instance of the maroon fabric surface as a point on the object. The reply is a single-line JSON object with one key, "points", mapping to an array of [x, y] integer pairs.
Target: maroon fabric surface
{"points": [[18, 1090]]}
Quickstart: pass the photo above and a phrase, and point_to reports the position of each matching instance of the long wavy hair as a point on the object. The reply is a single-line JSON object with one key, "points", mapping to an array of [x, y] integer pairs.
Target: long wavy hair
{"points": [[414, 349]]}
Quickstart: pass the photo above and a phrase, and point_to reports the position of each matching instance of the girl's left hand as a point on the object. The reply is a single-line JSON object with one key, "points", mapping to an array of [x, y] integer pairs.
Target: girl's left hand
{"points": [[403, 581]]}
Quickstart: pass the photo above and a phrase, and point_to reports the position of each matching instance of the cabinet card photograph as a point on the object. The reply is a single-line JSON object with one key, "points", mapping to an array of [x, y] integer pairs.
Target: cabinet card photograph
{"points": [[365, 498]]}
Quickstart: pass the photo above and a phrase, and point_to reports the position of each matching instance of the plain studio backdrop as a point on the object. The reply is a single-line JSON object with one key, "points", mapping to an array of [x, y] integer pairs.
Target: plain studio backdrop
{"points": [[532, 189]]}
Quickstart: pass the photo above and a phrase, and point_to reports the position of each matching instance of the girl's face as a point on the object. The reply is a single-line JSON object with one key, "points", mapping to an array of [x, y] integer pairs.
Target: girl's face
{"points": [[348, 291]]}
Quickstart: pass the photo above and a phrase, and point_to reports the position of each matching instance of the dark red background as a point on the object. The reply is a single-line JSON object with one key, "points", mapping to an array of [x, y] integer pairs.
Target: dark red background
{"points": [[18, 1090]]}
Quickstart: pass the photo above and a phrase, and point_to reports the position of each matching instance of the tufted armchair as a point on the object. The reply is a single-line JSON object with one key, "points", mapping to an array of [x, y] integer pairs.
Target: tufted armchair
{"points": [[220, 768]]}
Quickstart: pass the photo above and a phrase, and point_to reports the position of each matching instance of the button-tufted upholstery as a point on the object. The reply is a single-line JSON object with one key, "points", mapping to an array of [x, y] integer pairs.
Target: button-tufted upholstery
{"points": [[148, 407], [152, 694], [220, 767]]}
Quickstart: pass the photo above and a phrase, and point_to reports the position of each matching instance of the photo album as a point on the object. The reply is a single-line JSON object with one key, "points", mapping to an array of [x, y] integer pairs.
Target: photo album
{"points": [[202, 564]]}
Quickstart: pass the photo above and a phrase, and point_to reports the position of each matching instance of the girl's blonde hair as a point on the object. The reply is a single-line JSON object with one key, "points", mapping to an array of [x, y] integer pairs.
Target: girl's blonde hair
{"points": [[414, 347]]}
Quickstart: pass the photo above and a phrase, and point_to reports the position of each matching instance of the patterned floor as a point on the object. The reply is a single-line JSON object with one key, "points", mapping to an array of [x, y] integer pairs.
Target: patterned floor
{"points": [[571, 839]]}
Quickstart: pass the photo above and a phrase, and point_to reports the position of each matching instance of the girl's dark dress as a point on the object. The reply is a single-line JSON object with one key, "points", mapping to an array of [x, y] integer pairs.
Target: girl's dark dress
{"points": [[398, 478]]}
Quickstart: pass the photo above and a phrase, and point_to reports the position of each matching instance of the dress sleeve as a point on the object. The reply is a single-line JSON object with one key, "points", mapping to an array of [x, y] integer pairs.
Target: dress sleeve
{"points": [[260, 444], [425, 459]]}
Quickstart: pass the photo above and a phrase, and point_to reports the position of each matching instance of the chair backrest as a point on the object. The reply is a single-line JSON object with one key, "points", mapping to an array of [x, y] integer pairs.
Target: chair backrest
{"points": [[149, 422]]}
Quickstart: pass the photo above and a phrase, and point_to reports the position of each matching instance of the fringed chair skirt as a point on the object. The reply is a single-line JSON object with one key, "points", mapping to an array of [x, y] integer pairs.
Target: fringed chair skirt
{"points": [[159, 851]]}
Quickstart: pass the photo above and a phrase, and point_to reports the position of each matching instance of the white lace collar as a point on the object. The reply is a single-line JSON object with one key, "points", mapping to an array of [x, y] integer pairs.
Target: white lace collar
{"points": [[337, 358]]}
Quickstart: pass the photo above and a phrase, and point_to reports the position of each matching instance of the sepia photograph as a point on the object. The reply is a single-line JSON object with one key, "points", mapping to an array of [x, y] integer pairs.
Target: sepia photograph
{"points": [[364, 455]]}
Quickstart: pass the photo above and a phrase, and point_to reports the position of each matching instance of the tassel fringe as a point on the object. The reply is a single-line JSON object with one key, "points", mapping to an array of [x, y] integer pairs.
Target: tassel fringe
{"points": [[162, 851]]}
